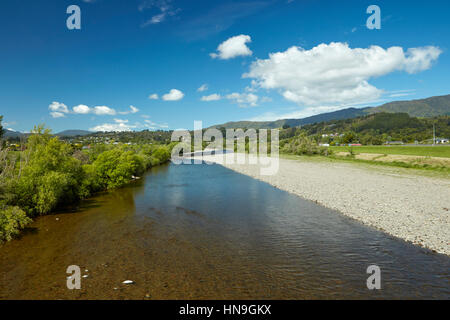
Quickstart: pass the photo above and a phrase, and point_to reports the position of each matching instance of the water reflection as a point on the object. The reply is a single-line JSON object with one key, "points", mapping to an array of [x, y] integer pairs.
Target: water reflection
{"points": [[196, 232]]}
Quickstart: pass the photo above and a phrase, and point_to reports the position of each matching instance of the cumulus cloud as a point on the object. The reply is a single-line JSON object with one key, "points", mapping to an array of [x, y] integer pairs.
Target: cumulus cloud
{"points": [[58, 107], [335, 73], [211, 97], [173, 95], [81, 109], [244, 99], [202, 88], [103, 110], [58, 110], [153, 96], [233, 47], [119, 125]]}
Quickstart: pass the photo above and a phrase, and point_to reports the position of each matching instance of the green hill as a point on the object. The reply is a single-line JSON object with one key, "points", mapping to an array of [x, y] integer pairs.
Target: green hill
{"points": [[426, 108], [378, 127], [336, 115], [73, 133], [430, 107]]}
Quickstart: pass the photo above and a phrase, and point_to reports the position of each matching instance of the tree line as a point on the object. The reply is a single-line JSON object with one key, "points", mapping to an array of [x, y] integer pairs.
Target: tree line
{"points": [[375, 129], [50, 173]]}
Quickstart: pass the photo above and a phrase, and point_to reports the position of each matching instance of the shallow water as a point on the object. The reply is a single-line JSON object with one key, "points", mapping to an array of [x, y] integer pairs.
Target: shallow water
{"points": [[206, 232]]}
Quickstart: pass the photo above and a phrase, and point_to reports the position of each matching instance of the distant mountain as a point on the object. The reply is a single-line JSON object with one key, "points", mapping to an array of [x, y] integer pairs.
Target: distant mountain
{"points": [[336, 115], [73, 133], [66, 133], [12, 134], [430, 107], [424, 108]]}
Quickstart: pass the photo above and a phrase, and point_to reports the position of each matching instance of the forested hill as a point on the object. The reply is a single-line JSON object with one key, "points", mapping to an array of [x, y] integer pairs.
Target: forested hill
{"points": [[384, 126], [430, 107], [337, 115]]}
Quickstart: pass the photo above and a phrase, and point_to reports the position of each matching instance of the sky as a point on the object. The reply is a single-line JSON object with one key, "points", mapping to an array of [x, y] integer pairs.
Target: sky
{"points": [[162, 64]]}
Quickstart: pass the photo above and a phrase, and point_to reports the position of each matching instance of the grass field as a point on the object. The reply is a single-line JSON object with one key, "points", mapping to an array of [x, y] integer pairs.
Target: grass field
{"points": [[428, 151]]}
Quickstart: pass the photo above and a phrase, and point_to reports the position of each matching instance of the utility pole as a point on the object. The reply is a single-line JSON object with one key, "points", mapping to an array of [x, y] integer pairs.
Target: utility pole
{"points": [[434, 134]]}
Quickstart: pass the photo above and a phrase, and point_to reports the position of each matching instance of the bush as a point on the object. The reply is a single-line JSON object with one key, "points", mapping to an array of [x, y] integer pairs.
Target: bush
{"points": [[12, 220], [162, 154], [50, 173], [304, 145], [50, 177], [114, 168]]}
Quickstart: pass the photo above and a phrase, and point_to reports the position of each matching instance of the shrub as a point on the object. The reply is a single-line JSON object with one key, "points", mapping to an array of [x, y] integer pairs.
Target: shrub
{"points": [[12, 220], [50, 177], [304, 145], [114, 168]]}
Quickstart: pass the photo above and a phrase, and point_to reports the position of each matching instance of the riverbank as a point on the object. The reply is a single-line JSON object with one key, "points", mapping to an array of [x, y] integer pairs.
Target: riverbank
{"points": [[205, 232], [401, 202]]}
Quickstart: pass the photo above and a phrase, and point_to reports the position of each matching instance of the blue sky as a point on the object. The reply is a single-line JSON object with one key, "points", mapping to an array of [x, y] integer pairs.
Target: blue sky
{"points": [[323, 58]]}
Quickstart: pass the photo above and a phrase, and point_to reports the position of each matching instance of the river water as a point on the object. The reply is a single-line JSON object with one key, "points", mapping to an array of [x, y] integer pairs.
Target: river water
{"points": [[206, 232]]}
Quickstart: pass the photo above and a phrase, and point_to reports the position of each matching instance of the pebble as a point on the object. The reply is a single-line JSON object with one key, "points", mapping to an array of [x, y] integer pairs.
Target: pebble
{"points": [[407, 205]]}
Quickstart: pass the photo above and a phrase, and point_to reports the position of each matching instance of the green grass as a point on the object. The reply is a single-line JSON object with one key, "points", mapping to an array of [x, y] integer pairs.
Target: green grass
{"points": [[439, 172], [431, 151]]}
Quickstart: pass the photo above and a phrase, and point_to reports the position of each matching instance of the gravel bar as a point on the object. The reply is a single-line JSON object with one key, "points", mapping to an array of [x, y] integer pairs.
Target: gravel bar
{"points": [[397, 201]]}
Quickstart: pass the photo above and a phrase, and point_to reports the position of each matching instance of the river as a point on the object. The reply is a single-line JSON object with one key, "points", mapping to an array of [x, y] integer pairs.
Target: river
{"points": [[206, 232]]}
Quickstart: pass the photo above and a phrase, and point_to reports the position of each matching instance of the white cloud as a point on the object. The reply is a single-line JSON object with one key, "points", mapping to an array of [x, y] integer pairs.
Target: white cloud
{"points": [[60, 110], [244, 99], [202, 88], [104, 110], [165, 7], [81, 109], [119, 125], [419, 59], [101, 110], [153, 96], [58, 107], [335, 74], [402, 93], [133, 109], [156, 19], [233, 47], [153, 125], [56, 114], [211, 97], [173, 95]]}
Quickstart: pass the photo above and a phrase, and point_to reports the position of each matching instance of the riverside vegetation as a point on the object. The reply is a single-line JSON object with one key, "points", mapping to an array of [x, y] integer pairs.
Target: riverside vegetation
{"points": [[50, 173]]}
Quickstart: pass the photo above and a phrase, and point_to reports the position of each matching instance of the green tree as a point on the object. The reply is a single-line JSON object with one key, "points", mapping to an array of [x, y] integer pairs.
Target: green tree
{"points": [[114, 168], [349, 137], [51, 177]]}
